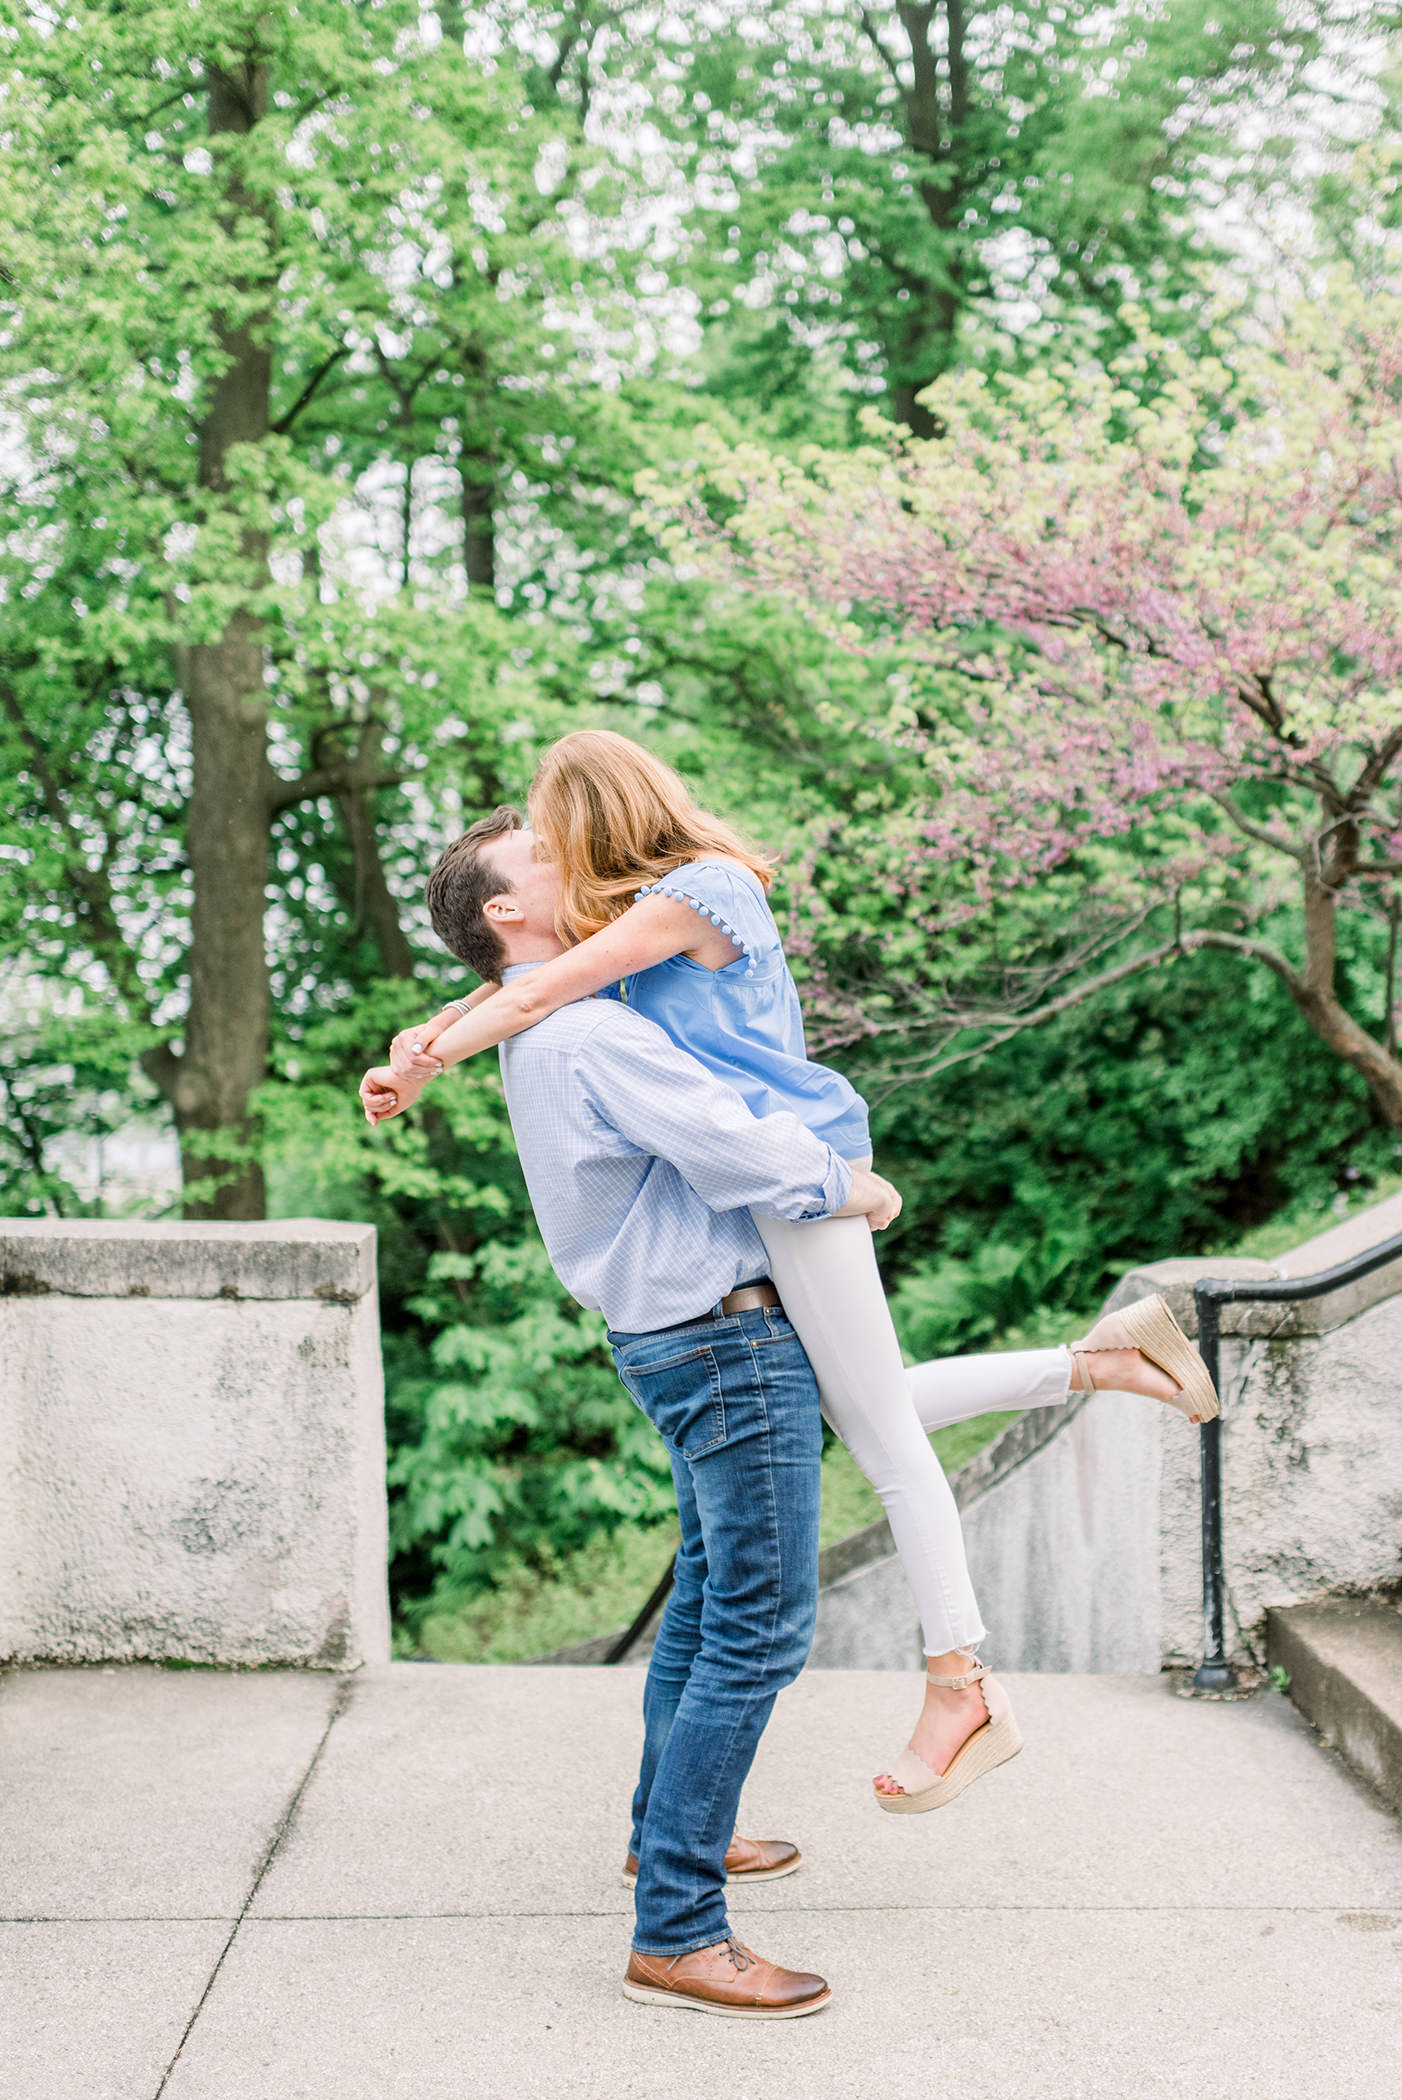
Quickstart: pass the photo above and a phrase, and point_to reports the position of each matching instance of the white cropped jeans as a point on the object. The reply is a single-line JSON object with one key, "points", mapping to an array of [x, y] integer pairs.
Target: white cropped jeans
{"points": [[831, 1289]]}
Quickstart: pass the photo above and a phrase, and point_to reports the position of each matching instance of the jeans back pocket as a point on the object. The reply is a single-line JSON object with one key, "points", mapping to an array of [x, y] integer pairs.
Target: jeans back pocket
{"points": [[680, 1394]]}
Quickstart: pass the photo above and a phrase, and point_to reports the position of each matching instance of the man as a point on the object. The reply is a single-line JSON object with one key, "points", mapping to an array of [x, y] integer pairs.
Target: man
{"points": [[643, 1169]]}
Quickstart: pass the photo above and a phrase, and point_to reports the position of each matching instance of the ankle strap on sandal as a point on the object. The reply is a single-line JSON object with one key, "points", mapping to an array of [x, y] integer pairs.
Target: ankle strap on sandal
{"points": [[959, 1684]]}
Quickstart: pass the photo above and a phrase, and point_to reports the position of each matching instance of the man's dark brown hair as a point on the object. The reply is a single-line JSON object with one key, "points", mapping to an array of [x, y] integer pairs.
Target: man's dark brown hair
{"points": [[464, 878]]}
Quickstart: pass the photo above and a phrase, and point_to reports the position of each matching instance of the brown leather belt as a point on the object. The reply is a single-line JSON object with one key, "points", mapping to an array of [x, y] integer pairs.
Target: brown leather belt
{"points": [[749, 1297]]}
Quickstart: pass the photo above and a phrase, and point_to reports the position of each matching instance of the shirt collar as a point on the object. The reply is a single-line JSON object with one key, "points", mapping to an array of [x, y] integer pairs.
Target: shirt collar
{"points": [[520, 969]]}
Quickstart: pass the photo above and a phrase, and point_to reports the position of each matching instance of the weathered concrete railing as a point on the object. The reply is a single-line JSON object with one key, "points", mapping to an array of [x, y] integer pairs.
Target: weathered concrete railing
{"points": [[1083, 1522], [191, 1443]]}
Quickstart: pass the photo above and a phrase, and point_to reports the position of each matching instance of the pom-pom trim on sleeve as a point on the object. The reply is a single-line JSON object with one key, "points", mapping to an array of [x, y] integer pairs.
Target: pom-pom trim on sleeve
{"points": [[667, 887]]}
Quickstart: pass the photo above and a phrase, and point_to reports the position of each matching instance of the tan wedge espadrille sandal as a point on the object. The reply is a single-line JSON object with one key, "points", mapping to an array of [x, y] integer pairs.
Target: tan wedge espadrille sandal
{"points": [[1150, 1327], [993, 1744]]}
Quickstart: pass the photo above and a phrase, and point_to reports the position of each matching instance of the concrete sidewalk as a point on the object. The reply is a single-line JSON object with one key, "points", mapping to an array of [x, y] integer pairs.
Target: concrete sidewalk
{"points": [[404, 1886]]}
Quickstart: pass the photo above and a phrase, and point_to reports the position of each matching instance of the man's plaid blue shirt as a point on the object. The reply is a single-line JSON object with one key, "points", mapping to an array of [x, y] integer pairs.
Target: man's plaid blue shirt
{"points": [[643, 1168]]}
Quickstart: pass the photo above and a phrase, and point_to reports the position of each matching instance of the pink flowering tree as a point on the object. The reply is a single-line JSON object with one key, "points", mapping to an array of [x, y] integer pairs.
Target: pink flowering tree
{"points": [[1149, 629]]}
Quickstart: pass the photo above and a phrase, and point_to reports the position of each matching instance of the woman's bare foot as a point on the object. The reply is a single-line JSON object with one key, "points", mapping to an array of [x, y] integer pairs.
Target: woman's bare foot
{"points": [[1124, 1371], [948, 1718]]}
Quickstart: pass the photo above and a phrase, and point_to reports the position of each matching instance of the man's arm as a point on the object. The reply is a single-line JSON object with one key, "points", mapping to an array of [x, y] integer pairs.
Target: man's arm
{"points": [[385, 1092], [667, 1104]]}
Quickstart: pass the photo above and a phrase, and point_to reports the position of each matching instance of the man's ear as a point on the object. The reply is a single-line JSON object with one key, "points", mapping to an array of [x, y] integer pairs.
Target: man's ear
{"points": [[503, 910]]}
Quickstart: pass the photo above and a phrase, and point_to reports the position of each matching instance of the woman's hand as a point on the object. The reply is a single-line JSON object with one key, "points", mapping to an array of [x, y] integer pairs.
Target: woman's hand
{"points": [[887, 1207], [871, 1198], [384, 1093], [409, 1056]]}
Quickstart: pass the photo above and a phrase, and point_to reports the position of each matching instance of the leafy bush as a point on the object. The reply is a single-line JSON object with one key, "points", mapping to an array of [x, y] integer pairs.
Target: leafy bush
{"points": [[1174, 1115], [518, 1444]]}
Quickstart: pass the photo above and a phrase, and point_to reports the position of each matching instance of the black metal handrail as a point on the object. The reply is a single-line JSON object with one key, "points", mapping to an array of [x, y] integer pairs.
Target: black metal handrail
{"points": [[629, 1640], [1214, 1673]]}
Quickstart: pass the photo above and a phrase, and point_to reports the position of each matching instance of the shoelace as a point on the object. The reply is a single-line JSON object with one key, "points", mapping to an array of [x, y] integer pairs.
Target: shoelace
{"points": [[740, 1956]]}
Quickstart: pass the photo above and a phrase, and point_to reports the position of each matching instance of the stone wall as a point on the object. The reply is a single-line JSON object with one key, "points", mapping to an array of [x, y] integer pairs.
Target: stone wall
{"points": [[1311, 1446], [191, 1443], [1083, 1522], [1060, 1525]]}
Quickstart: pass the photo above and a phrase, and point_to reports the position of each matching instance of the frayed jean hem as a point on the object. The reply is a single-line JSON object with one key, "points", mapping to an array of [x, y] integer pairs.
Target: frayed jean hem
{"points": [[712, 1939]]}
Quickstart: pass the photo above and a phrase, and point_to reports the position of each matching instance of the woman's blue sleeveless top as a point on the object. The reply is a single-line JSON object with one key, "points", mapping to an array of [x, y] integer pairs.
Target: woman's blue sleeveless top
{"points": [[744, 1022]]}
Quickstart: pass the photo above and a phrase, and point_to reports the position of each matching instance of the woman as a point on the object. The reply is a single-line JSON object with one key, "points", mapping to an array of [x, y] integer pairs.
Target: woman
{"points": [[670, 900]]}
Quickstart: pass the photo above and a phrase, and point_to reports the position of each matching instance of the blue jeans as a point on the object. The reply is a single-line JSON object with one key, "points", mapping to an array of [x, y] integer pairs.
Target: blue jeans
{"points": [[736, 1403]]}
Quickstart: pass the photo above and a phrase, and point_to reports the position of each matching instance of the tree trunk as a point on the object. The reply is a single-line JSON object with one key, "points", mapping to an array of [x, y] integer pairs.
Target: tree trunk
{"points": [[226, 1032], [477, 469], [927, 352], [479, 547], [374, 905], [1352, 1043], [936, 113], [1315, 996]]}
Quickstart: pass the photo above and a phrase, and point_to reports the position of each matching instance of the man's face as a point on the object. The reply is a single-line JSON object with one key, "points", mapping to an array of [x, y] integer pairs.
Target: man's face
{"points": [[534, 889]]}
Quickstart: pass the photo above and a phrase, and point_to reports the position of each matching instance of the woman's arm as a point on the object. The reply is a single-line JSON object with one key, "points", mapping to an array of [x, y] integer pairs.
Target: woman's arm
{"points": [[649, 932], [409, 1052]]}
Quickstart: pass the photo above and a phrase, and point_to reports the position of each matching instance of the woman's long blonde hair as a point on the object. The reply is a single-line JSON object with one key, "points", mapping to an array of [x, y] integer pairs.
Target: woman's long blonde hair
{"points": [[613, 818]]}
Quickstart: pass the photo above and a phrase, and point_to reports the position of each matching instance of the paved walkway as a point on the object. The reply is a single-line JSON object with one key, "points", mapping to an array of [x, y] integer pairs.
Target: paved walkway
{"points": [[278, 1886]]}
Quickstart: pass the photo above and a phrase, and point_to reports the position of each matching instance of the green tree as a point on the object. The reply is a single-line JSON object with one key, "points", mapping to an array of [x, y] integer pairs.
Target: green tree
{"points": [[889, 191], [271, 260]]}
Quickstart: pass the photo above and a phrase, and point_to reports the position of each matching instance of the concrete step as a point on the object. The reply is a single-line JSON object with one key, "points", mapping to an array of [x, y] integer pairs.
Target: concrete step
{"points": [[1344, 1661]]}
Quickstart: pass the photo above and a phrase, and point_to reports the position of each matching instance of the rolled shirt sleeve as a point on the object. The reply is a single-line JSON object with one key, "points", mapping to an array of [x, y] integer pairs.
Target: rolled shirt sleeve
{"points": [[666, 1103]]}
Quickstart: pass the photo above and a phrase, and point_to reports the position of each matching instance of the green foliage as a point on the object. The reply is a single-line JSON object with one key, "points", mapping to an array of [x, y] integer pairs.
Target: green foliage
{"points": [[535, 1608], [525, 1434], [887, 192], [1170, 1116], [68, 1080]]}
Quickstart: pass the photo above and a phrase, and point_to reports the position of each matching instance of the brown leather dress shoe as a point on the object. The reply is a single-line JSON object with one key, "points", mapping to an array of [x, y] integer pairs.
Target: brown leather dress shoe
{"points": [[726, 1979], [746, 1859]]}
